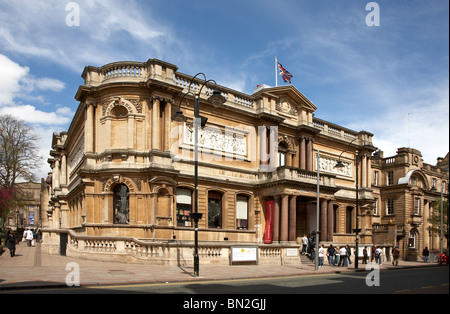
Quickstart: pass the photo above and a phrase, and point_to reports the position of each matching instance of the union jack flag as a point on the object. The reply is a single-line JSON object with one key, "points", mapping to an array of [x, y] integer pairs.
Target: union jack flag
{"points": [[285, 74]]}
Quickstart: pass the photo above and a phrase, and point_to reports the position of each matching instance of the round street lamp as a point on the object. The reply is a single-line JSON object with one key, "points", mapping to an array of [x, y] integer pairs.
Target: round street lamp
{"points": [[216, 99]]}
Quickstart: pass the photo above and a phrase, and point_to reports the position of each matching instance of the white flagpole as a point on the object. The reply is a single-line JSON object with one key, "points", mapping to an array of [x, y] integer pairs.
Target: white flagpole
{"points": [[276, 72]]}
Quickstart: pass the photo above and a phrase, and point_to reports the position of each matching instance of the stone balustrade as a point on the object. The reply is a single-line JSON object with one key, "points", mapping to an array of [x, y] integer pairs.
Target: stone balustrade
{"points": [[169, 253]]}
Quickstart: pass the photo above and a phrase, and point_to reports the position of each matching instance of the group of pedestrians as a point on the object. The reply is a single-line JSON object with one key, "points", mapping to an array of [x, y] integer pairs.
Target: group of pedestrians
{"points": [[28, 235], [337, 256]]}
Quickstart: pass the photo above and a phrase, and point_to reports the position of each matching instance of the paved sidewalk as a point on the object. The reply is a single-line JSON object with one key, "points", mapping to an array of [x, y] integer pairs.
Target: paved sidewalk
{"points": [[31, 268]]}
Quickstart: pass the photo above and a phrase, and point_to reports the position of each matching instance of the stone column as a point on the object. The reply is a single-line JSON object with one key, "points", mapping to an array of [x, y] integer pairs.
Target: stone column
{"points": [[89, 128], [363, 160], [276, 219], [302, 153], [63, 170], [263, 145], [130, 141], [156, 124], [293, 219], [330, 221], [323, 220], [167, 125], [309, 155], [284, 218]]}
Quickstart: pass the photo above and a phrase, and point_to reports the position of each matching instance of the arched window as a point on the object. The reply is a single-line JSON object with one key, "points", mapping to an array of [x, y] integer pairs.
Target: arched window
{"points": [[412, 239], [119, 112], [121, 204], [184, 207], [214, 209]]}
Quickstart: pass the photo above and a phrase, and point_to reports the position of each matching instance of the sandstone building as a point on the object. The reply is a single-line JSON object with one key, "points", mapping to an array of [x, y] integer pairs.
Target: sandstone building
{"points": [[122, 180]]}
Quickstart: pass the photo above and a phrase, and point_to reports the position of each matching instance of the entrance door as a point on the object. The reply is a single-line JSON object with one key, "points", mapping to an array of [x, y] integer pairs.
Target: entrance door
{"points": [[62, 243]]}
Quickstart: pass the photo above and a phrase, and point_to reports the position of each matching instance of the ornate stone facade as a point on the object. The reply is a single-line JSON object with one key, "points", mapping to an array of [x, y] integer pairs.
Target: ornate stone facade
{"points": [[123, 174]]}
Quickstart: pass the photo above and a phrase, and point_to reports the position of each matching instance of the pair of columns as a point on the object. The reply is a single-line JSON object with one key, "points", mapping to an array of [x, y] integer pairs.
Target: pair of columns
{"points": [[285, 218], [326, 219]]}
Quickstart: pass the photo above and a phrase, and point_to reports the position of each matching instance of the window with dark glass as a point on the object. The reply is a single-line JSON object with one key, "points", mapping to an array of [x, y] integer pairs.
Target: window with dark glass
{"points": [[121, 204], [348, 219], [184, 207], [214, 210]]}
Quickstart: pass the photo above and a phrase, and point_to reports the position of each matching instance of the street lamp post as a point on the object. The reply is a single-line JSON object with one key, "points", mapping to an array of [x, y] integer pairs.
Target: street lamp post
{"points": [[216, 99], [316, 261], [339, 164]]}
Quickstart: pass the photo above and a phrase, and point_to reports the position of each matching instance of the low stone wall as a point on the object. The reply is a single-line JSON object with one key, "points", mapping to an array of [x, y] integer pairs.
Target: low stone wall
{"points": [[170, 253]]}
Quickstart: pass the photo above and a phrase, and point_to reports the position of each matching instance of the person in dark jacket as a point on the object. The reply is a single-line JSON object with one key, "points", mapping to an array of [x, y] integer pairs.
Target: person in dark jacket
{"points": [[11, 243]]}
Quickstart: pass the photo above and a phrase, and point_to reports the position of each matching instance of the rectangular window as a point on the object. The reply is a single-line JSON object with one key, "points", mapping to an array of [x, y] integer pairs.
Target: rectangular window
{"points": [[375, 178], [184, 207], [242, 212], [390, 178], [390, 206], [417, 206], [375, 207]]}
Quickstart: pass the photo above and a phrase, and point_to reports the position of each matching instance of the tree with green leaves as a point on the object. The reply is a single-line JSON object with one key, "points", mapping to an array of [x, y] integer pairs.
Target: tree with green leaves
{"points": [[435, 218]]}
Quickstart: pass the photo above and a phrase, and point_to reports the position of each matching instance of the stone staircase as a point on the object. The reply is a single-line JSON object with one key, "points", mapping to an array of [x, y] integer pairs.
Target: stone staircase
{"points": [[306, 260]]}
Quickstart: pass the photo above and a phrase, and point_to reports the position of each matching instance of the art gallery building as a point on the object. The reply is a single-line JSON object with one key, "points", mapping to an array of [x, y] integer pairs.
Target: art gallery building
{"points": [[122, 182]]}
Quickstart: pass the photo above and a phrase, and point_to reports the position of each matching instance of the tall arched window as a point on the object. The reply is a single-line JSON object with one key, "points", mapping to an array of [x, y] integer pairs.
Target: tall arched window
{"points": [[214, 209], [412, 239], [121, 204], [348, 219]]}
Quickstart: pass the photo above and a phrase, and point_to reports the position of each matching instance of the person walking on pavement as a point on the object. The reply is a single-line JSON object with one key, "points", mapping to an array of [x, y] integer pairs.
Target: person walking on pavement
{"points": [[343, 257], [349, 253], [426, 254], [28, 234], [11, 243], [331, 252], [378, 255], [396, 255], [304, 244], [364, 261], [321, 251]]}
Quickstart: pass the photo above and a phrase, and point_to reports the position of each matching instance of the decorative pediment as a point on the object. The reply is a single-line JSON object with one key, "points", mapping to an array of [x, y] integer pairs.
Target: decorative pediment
{"points": [[289, 98]]}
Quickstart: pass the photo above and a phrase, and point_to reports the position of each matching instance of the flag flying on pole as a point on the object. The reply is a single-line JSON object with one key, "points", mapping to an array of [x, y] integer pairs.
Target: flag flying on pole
{"points": [[285, 74]]}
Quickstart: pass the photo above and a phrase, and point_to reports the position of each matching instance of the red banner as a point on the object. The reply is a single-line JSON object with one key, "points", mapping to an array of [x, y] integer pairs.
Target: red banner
{"points": [[268, 233]]}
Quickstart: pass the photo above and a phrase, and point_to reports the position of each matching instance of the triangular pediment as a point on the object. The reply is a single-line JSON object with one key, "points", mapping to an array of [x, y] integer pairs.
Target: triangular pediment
{"points": [[289, 94]]}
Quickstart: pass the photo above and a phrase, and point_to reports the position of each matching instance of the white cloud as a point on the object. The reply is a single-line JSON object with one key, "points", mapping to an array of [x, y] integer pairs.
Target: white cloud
{"points": [[33, 115]]}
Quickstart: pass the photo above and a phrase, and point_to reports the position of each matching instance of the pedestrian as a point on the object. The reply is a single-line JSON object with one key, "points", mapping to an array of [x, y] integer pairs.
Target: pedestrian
{"points": [[426, 254], [336, 256], [364, 261], [331, 252], [304, 244], [343, 257], [395, 255], [372, 252], [28, 234], [321, 252], [349, 253], [11, 243], [378, 255]]}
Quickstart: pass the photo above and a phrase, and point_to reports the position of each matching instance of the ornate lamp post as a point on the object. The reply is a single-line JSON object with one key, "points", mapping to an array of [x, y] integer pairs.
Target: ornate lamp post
{"points": [[339, 164], [216, 99]]}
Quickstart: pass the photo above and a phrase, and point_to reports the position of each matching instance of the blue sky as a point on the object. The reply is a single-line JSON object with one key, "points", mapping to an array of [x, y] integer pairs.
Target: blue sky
{"points": [[391, 80]]}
